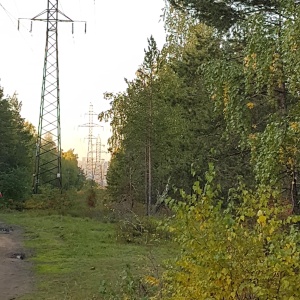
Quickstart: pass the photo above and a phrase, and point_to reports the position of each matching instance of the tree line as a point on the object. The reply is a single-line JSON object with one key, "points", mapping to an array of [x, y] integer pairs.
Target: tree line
{"points": [[17, 154], [212, 120], [224, 89]]}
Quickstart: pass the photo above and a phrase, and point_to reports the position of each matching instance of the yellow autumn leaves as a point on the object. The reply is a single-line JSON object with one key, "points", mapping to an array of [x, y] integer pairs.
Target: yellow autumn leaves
{"points": [[250, 105], [294, 126], [152, 280], [262, 219], [250, 61], [226, 98]]}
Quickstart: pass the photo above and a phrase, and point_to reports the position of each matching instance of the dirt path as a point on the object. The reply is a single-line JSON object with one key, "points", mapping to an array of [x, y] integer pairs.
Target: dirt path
{"points": [[16, 276]]}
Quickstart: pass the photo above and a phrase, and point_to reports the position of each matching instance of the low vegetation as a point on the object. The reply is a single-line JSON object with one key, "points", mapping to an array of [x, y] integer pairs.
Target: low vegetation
{"points": [[82, 252], [248, 250]]}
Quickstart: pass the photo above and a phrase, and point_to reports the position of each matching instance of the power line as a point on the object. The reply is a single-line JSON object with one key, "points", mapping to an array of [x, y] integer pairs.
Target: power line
{"points": [[10, 16], [16, 6], [14, 20]]}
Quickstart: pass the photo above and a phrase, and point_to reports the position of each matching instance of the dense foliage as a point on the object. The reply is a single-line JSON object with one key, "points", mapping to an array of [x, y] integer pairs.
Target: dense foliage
{"points": [[73, 175], [224, 14], [223, 90], [166, 115], [145, 130], [16, 150], [249, 251], [230, 98]]}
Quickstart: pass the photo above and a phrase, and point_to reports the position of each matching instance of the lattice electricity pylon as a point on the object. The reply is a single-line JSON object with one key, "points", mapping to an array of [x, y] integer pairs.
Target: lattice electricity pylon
{"points": [[98, 172], [91, 158], [48, 145]]}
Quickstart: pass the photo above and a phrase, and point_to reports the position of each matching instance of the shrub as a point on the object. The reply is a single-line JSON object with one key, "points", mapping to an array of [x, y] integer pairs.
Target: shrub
{"points": [[249, 251], [91, 198], [140, 230], [51, 199]]}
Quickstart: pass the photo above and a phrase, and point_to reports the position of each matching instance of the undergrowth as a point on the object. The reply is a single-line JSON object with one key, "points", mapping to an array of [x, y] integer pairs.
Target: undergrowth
{"points": [[84, 251]]}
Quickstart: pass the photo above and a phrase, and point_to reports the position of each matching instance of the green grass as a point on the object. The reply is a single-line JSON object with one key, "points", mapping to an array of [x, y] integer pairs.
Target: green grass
{"points": [[80, 258]]}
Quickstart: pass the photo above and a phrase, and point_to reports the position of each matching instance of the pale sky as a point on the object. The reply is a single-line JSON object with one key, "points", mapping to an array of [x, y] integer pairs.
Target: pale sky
{"points": [[89, 64]]}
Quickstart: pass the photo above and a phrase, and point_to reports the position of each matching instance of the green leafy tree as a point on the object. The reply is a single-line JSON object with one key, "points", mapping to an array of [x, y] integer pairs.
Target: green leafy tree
{"points": [[145, 128], [205, 137], [73, 175], [256, 90], [16, 150], [167, 113], [224, 14]]}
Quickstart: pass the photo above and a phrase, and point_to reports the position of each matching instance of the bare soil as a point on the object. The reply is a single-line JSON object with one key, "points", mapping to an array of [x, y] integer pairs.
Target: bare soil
{"points": [[16, 277]]}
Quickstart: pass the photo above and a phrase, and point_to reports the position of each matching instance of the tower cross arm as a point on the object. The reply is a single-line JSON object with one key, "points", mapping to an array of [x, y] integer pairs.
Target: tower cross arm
{"points": [[39, 17], [53, 15]]}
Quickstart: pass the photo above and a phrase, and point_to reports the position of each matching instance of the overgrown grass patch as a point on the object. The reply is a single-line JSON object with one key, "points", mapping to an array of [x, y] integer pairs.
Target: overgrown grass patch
{"points": [[80, 258]]}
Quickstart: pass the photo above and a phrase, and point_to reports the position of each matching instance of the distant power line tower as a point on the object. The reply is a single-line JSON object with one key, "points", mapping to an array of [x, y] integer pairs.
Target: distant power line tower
{"points": [[99, 172], [48, 145], [91, 157]]}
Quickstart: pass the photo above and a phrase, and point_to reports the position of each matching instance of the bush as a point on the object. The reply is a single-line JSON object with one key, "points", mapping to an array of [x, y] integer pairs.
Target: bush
{"points": [[140, 230], [91, 199], [15, 185], [245, 252], [50, 199]]}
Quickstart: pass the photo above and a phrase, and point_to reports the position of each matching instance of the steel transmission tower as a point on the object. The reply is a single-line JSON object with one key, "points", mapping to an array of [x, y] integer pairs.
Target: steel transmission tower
{"points": [[48, 145], [99, 172], [91, 158]]}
